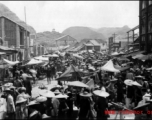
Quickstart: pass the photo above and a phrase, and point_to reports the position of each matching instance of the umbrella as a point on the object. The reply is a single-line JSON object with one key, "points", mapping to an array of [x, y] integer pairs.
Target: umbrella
{"points": [[55, 87], [34, 62], [101, 93], [42, 58], [128, 82], [136, 84], [11, 62], [77, 84], [72, 73], [61, 96], [33, 71], [109, 66], [47, 93], [51, 55]]}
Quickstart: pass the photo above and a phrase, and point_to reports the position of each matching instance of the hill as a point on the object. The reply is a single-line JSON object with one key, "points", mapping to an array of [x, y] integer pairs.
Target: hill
{"points": [[81, 33], [107, 32], [47, 38], [5, 11]]}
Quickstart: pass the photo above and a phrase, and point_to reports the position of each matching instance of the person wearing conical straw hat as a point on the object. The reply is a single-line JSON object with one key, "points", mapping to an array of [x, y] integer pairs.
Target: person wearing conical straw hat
{"points": [[55, 104], [21, 112], [129, 92], [120, 90], [84, 105], [63, 107], [101, 104], [45, 117], [33, 113], [42, 101], [10, 104]]}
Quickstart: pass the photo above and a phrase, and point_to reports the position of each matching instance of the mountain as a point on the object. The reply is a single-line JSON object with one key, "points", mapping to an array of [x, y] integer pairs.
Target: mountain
{"points": [[108, 32], [81, 33], [47, 38], [6, 12]]}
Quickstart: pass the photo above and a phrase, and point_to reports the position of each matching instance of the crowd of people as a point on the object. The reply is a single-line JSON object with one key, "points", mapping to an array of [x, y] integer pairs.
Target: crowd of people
{"points": [[130, 89]]}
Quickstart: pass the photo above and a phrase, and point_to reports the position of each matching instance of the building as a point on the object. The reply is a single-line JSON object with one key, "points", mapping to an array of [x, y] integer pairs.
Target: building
{"points": [[15, 36], [65, 40], [114, 46], [91, 44], [145, 21]]}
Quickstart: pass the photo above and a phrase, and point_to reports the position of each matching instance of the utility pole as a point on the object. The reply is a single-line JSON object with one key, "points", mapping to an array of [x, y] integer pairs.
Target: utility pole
{"points": [[114, 35], [26, 48]]}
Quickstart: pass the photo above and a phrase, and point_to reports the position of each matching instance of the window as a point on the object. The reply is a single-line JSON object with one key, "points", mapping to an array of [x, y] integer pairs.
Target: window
{"points": [[143, 4], [143, 26], [150, 2], [150, 25]]}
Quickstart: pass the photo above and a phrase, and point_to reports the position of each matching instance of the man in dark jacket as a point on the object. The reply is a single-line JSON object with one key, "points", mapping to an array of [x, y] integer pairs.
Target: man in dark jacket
{"points": [[28, 86]]}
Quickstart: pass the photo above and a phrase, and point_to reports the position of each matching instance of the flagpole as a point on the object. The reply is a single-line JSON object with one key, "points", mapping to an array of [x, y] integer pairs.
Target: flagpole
{"points": [[26, 48]]}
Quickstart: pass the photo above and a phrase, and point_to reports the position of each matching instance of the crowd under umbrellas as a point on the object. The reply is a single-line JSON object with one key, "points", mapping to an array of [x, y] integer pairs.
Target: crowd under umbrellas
{"points": [[89, 84]]}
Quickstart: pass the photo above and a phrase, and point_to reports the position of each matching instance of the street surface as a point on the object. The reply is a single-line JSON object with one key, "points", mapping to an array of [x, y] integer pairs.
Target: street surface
{"points": [[36, 90]]}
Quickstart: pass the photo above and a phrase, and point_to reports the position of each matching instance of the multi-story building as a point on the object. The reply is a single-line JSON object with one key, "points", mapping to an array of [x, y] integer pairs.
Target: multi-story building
{"points": [[145, 21], [15, 36]]}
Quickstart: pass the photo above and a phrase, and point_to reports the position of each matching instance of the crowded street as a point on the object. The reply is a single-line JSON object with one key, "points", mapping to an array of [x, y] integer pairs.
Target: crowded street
{"points": [[76, 60]]}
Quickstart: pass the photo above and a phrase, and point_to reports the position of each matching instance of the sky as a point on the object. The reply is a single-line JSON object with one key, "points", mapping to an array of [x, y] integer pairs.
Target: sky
{"points": [[59, 15]]}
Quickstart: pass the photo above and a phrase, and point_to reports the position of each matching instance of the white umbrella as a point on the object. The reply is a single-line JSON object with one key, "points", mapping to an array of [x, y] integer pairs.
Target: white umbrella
{"points": [[149, 69], [47, 93], [61, 96], [42, 58], [115, 53], [11, 62], [51, 55], [78, 56], [128, 82], [33, 71], [101, 93], [136, 84], [34, 62], [109, 66], [77, 84]]}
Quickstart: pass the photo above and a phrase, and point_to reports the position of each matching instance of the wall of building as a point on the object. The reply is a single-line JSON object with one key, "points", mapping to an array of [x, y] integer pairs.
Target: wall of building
{"points": [[145, 20]]}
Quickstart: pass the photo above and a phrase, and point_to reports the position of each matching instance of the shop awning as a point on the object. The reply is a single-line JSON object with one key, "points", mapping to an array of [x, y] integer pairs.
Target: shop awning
{"points": [[11, 62], [7, 50]]}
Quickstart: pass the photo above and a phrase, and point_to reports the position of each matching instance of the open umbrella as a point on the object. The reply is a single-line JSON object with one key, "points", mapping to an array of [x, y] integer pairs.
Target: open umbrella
{"points": [[71, 74], [51, 55], [46, 93], [101, 93], [78, 84]]}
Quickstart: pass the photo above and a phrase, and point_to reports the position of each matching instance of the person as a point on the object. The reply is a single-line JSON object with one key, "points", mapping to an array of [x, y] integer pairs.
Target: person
{"points": [[48, 74], [129, 96], [20, 109], [55, 104], [120, 92], [33, 113], [63, 107], [42, 107], [23, 94], [28, 86], [130, 75], [70, 105], [84, 105], [10, 105], [101, 106], [17, 82]]}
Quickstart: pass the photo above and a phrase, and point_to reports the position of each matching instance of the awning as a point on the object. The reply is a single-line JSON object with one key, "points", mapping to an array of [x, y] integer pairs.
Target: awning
{"points": [[7, 50], [11, 62], [42, 58], [51, 55], [34, 62], [138, 56], [134, 53], [109, 66]]}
